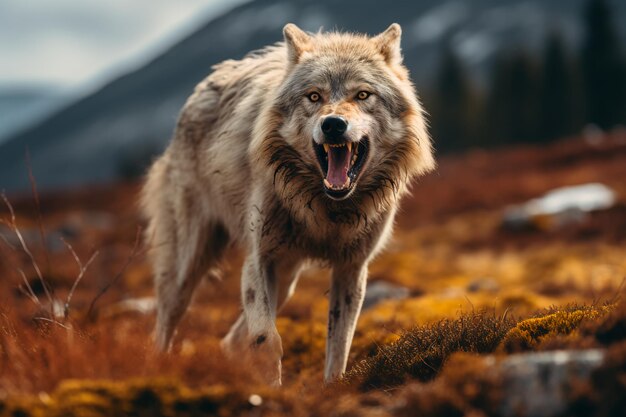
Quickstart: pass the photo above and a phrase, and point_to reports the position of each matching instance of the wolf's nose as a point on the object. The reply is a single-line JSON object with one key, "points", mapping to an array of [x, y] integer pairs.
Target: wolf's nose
{"points": [[334, 126]]}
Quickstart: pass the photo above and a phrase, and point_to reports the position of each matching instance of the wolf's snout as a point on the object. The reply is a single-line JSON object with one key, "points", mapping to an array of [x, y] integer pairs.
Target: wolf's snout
{"points": [[334, 127]]}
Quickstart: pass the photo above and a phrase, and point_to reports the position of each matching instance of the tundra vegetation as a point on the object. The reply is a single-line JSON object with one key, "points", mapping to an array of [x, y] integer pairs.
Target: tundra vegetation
{"points": [[76, 310]]}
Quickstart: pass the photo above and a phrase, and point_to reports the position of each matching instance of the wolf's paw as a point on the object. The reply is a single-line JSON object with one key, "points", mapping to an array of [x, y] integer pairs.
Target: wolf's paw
{"points": [[261, 353], [266, 351]]}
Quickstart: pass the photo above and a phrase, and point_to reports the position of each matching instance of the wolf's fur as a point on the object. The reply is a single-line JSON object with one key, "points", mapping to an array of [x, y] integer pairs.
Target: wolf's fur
{"points": [[241, 168]]}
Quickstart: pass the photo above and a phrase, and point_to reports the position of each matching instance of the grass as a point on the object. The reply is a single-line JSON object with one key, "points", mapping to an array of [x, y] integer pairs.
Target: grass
{"points": [[438, 369], [421, 352], [68, 348]]}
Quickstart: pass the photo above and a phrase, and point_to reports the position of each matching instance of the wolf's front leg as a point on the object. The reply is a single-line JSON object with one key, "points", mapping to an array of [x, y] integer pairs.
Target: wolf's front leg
{"points": [[346, 297], [259, 342]]}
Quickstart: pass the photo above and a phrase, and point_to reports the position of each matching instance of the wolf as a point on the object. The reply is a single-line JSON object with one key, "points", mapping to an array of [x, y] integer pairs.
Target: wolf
{"points": [[298, 153]]}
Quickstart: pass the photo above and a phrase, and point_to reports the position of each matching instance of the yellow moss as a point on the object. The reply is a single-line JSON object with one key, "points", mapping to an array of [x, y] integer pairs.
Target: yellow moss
{"points": [[523, 302], [155, 398], [530, 332], [407, 313], [508, 268], [396, 266], [448, 304], [303, 342], [23, 406]]}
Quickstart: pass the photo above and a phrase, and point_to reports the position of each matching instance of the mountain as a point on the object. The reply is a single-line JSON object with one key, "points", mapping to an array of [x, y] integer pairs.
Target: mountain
{"points": [[24, 105], [113, 131]]}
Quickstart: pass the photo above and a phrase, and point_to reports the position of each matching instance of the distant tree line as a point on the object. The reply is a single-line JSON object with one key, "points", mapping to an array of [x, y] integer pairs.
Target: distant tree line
{"points": [[534, 98]]}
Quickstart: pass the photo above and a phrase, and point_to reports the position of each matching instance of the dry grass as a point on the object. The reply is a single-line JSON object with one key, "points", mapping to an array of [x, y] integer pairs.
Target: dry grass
{"points": [[421, 352], [474, 289], [455, 380]]}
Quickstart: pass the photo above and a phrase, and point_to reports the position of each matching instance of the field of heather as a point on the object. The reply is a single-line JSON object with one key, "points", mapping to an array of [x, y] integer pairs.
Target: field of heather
{"points": [[466, 315]]}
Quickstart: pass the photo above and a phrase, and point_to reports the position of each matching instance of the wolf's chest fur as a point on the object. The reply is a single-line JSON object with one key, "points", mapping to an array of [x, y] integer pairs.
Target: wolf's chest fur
{"points": [[323, 233]]}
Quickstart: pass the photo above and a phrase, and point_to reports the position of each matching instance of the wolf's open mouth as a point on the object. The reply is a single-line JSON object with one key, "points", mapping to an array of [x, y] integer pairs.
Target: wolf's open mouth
{"points": [[341, 165]]}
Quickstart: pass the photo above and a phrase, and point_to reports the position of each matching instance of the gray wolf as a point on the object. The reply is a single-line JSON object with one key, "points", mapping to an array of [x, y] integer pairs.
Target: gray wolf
{"points": [[298, 152]]}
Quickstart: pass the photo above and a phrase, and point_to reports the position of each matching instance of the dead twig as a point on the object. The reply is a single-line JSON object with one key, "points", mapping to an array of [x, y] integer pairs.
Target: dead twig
{"points": [[130, 259], [13, 226], [53, 322], [81, 272], [505, 315], [30, 293]]}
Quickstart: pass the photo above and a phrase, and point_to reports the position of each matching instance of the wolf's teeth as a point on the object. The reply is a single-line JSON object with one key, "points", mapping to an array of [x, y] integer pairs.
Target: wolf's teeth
{"points": [[337, 187], [326, 147], [349, 145]]}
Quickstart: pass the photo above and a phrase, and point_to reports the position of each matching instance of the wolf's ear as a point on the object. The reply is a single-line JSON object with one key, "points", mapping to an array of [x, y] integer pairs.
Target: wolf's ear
{"points": [[297, 41], [388, 44]]}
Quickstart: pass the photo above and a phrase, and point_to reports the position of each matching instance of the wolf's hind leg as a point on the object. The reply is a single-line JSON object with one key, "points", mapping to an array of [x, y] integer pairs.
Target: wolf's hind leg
{"points": [[180, 262]]}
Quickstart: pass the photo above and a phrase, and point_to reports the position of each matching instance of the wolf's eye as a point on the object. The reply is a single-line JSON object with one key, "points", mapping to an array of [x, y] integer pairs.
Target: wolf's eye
{"points": [[362, 95], [314, 97]]}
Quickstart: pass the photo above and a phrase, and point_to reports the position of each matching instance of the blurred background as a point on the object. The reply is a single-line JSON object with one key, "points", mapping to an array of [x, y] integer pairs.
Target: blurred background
{"points": [[92, 89], [526, 210]]}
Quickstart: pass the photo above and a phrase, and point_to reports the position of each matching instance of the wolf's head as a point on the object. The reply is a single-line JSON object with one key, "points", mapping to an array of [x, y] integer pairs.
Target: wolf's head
{"points": [[350, 110], [348, 126]]}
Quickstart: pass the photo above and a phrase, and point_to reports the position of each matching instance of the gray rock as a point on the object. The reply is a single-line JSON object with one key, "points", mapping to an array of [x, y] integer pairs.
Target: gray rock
{"points": [[536, 384], [142, 306], [378, 291], [559, 207]]}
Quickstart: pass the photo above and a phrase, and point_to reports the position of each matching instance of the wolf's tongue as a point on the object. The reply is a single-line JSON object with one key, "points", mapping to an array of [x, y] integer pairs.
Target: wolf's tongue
{"points": [[338, 165]]}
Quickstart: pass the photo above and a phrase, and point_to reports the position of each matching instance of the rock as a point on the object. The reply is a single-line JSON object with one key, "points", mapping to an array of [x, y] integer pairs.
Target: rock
{"points": [[57, 308], [559, 207], [536, 384], [145, 305], [378, 291]]}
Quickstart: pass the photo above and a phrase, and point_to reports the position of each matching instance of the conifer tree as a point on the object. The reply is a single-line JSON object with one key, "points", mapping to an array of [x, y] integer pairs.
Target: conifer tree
{"points": [[560, 97], [512, 113], [451, 113], [604, 71]]}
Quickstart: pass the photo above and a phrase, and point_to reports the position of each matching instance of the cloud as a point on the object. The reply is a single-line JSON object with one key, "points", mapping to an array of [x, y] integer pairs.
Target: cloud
{"points": [[78, 42]]}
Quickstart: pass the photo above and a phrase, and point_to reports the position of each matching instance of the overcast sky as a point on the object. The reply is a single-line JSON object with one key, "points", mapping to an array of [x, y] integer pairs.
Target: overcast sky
{"points": [[78, 43]]}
